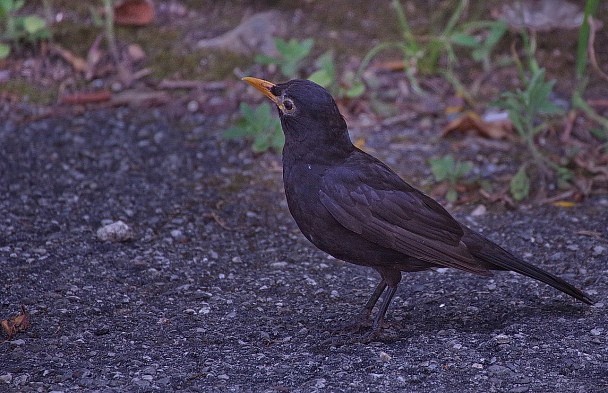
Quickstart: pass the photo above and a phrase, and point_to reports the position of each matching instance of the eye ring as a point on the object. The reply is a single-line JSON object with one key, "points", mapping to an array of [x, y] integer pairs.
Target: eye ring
{"points": [[288, 105]]}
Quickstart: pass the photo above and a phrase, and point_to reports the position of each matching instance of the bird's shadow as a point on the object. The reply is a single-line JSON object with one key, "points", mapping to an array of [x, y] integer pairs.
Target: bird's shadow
{"points": [[429, 319]]}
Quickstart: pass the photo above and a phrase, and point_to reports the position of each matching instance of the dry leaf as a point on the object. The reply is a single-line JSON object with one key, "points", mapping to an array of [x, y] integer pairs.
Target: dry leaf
{"points": [[495, 129], [16, 324], [134, 13]]}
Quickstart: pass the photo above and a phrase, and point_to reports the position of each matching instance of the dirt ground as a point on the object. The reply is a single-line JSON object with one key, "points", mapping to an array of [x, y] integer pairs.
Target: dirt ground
{"points": [[217, 291]]}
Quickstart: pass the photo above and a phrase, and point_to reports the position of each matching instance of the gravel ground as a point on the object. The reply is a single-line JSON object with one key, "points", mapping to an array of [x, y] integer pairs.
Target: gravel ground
{"points": [[217, 291]]}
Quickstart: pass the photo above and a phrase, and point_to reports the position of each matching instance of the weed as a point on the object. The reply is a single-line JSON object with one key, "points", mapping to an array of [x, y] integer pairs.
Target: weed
{"points": [[325, 76], [15, 28], [583, 48], [259, 124], [291, 54], [451, 171], [422, 54]]}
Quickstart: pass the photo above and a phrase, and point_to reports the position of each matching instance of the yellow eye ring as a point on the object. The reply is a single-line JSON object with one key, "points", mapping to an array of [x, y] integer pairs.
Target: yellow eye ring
{"points": [[287, 105]]}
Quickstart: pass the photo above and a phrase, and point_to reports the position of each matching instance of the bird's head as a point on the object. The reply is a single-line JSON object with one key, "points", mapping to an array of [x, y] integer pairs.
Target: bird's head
{"points": [[309, 114]]}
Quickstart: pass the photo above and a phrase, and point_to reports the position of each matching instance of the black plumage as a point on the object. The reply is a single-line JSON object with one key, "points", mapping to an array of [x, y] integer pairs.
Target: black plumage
{"points": [[354, 207]]}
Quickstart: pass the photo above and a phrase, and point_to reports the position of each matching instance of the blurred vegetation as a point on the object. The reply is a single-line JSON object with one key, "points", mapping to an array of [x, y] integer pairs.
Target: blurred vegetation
{"points": [[454, 33], [17, 30]]}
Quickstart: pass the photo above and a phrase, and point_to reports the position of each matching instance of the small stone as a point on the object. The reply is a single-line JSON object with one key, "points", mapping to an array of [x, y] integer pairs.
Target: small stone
{"points": [[17, 342], [193, 106], [478, 366], [115, 232], [385, 356], [497, 369], [598, 250], [480, 210], [596, 331], [6, 377], [502, 339]]}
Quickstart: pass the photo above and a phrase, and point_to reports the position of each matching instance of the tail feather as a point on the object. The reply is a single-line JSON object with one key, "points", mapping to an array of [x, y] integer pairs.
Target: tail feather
{"points": [[498, 258]]}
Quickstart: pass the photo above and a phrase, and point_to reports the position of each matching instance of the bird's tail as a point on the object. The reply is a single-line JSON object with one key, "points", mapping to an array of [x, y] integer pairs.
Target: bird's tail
{"points": [[498, 258]]}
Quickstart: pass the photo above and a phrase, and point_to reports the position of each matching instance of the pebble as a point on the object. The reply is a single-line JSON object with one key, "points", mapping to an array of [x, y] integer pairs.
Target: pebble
{"points": [[115, 232], [502, 339], [17, 342], [6, 377], [497, 369], [480, 210], [385, 356], [596, 331], [598, 250]]}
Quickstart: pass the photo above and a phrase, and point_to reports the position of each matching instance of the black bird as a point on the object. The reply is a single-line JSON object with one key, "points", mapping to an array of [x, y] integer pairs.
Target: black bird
{"points": [[355, 208]]}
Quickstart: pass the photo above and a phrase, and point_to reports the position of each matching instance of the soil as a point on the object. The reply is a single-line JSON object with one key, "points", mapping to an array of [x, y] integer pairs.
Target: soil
{"points": [[217, 291]]}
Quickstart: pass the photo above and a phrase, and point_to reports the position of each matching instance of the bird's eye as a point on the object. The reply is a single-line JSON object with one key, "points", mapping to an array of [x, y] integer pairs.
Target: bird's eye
{"points": [[288, 105]]}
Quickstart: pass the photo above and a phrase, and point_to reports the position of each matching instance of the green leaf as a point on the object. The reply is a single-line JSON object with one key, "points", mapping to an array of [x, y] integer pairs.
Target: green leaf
{"points": [[520, 184], [33, 24], [356, 90], [464, 39], [264, 59], [326, 73], [441, 167], [462, 168], [5, 50], [321, 77], [496, 32], [259, 125], [451, 195]]}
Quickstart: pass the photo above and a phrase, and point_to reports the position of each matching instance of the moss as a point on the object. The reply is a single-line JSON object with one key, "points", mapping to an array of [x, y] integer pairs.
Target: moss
{"points": [[34, 94]]}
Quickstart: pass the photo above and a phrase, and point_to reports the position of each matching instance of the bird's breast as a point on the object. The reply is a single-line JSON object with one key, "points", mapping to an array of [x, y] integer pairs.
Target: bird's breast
{"points": [[302, 183]]}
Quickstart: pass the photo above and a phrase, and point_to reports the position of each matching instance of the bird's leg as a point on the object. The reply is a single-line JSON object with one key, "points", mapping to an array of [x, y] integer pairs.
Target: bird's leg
{"points": [[362, 320], [376, 332], [390, 278]]}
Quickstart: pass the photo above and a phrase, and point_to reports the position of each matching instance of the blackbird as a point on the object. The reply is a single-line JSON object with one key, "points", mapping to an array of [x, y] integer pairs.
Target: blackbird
{"points": [[355, 208]]}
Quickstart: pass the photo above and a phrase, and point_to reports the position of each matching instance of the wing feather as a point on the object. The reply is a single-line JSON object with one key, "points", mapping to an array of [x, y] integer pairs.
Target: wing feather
{"points": [[378, 205]]}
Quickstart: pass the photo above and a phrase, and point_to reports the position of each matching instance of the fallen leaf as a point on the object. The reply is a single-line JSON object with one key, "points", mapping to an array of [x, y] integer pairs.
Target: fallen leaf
{"points": [[495, 129], [16, 324], [134, 13]]}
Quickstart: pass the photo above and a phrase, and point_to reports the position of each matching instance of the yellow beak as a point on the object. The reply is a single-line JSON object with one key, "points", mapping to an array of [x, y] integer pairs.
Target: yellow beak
{"points": [[263, 86]]}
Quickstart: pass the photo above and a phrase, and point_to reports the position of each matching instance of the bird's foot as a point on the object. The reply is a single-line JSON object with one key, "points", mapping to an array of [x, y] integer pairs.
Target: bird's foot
{"points": [[359, 323], [349, 337]]}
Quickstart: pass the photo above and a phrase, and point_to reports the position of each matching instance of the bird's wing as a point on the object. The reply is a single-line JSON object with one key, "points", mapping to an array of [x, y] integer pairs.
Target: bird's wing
{"points": [[372, 201]]}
